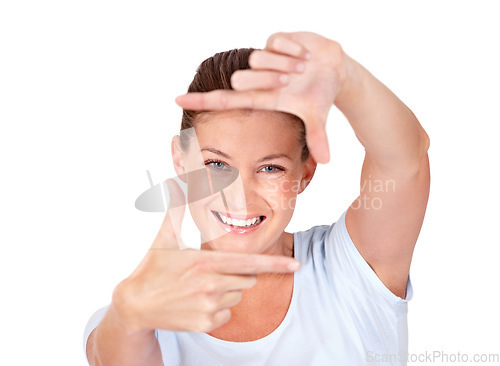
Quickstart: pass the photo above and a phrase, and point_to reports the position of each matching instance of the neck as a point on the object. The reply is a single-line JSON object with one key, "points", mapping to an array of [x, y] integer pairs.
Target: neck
{"points": [[282, 246]]}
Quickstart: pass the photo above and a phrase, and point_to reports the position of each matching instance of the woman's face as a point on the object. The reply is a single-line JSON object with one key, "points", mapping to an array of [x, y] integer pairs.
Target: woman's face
{"points": [[264, 148]]}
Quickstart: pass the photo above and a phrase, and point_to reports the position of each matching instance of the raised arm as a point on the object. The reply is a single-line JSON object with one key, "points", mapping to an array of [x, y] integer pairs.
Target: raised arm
{"points": [[385, 219]]}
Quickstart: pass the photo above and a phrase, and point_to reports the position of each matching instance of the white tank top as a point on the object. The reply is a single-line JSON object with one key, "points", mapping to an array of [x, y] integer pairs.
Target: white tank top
{"points": [[340, 314]]}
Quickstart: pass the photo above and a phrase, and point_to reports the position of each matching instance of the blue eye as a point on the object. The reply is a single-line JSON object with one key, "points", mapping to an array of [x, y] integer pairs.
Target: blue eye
{"points": [[273, 169], [220, 166], [217, 164]]}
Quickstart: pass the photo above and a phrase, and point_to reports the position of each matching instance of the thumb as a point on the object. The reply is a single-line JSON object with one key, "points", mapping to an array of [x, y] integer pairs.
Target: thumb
{"points": [[317, 142], [169, 235]]}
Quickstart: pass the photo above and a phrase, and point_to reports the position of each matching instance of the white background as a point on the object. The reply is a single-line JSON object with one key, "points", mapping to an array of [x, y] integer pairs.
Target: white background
{"points": [[87, 94]]}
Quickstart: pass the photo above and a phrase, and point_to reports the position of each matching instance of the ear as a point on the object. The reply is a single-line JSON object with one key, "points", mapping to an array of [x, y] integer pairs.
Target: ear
{"points": [[308, 173], [178, 158]]}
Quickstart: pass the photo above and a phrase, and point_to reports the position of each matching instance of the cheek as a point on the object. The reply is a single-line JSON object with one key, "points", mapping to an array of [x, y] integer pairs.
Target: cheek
{"points": [[203, 219], [198, 191], [282, 194], [205, 202]]}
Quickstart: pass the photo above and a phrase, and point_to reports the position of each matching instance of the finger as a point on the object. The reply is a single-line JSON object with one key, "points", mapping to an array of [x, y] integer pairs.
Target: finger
{"points": [[221, 317], [280, 42], [251, 79], [317, 142], [228, 99], [168, 236], [229, 299], [238, 263], [261, 59], [236, 282]]}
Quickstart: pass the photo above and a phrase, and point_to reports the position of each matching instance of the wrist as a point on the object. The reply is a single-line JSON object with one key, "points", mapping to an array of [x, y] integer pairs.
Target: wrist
{"points": [[115, 344], [124, 313], [350, 74]]}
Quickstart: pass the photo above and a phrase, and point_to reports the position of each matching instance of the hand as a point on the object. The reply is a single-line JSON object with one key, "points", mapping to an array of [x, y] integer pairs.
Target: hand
{"points": [[300, 73], [187, 290]]}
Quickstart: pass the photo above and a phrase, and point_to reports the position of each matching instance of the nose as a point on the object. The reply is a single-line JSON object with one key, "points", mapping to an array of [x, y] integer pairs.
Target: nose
{"points": [[241, 195]]}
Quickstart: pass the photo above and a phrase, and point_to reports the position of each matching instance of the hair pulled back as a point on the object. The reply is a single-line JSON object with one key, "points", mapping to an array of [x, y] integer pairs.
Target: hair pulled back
{"points": [[215, 73]]}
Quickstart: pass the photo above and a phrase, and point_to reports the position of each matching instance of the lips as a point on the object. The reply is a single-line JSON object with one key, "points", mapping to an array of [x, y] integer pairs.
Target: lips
{"points": [[239, 217], [238, 224]]}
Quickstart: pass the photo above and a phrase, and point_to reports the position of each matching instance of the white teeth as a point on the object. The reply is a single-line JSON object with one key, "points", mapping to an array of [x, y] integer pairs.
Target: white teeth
{"points": [[241, 223]]}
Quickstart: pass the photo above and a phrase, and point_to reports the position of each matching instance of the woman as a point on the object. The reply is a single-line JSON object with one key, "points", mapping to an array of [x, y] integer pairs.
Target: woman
{"points": [[243, 300]]}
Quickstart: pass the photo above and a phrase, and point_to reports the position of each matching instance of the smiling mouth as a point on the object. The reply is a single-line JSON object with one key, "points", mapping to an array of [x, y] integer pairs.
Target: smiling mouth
{"points": [[248, 223]]}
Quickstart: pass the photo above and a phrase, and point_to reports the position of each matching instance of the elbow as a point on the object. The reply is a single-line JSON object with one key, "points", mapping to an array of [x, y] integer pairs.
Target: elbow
{"points": [[425, 141], [421, 158], [422, 138], [413, 164]]}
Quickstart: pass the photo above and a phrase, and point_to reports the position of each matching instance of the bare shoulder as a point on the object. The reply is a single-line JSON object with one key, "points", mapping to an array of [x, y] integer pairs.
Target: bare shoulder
{"points": [[90, 348]]}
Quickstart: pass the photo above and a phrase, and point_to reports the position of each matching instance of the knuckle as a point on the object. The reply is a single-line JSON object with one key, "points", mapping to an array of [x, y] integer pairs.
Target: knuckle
{"points": [[292, 64], [209, 287], [234, 80], [251, 264], [203, 101], [275, 39], [279, 80], [335, 46], [278, 41], [206, 286], [253, 58], [209, 304], [223, 99], [335, 49], [204, 323], [202, 264], [251, 99]]}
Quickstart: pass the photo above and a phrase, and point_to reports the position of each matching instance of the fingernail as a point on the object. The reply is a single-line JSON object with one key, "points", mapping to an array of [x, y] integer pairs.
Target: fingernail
{"points": [[179, 98], [283, 78], [307, 56], [326, 152], [300, 67], [295, 265]]}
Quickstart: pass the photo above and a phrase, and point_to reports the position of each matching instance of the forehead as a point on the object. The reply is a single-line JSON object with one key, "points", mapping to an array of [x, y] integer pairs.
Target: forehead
{"points": [[248, 127]]}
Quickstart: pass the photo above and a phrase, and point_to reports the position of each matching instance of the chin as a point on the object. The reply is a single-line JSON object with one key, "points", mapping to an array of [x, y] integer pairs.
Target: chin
{"points": [[250, 233], [226, 244]]}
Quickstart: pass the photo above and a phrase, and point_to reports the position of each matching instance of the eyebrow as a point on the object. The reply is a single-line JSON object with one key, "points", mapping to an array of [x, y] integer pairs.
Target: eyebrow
{"points": [[268, 157]]}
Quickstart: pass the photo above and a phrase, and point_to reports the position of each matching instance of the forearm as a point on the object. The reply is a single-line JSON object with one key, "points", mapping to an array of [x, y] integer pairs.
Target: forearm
{"points": [[390, 133], [112, 344]]}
